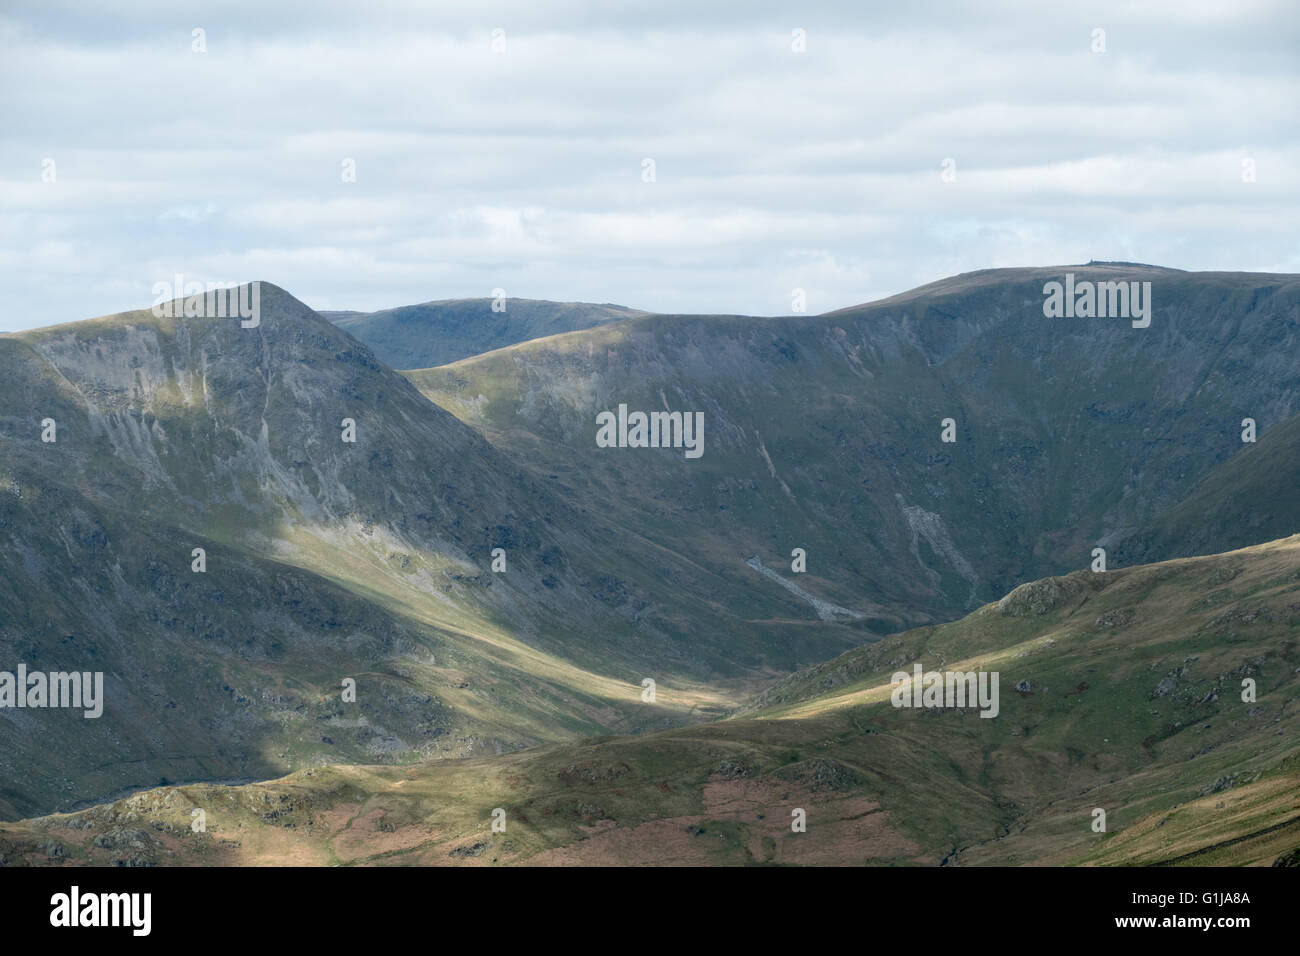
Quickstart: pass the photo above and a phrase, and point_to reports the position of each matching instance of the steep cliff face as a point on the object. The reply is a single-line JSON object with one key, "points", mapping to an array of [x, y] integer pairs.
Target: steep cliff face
{"points": [[1253, 496], [826, 432], [242, 434]]}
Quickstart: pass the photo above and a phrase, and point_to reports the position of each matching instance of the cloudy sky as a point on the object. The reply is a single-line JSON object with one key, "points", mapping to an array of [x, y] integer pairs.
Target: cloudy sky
{"points": [[126, 156]]}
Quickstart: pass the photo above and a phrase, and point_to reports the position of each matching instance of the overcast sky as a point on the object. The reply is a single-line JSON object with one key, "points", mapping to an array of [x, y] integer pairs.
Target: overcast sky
{"points": [[523, 169]]}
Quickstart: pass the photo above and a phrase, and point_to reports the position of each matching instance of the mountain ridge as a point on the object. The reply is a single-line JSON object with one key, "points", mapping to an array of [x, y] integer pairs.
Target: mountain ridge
{"points": [[444, 330]]}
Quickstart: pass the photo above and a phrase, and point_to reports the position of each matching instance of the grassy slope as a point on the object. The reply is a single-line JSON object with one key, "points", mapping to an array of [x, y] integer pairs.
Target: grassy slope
{"points": [[1128, 700]]}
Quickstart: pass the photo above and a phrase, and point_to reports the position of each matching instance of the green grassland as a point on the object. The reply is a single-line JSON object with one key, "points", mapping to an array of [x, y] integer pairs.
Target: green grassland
{"points": [[1120, 690]]}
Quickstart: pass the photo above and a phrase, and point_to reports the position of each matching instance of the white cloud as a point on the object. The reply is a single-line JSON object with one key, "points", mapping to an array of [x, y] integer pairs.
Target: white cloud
{"points": [[523, 169]]}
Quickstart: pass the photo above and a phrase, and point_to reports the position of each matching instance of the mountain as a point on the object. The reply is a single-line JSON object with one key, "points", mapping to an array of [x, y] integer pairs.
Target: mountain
{"points": [[435, 333], [373, 560], [1119, 691], [825, 432], [325, 560]]}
